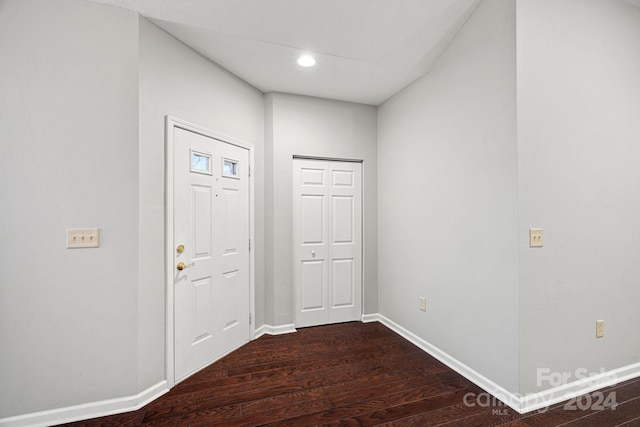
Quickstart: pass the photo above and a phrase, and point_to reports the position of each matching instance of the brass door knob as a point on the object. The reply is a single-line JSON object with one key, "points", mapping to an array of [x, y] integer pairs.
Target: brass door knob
{"points": [[181, 265], [180, 249]]}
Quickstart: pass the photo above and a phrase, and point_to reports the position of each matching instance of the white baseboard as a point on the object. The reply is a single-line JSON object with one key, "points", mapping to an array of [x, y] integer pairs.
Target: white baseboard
{"points": [[368, 318], [151, 394], [87, 410], [521, 404], [275, 330]]}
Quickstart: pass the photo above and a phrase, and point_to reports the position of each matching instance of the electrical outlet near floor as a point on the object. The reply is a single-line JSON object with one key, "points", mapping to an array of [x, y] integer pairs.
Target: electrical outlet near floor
{"points": [[599, 328], [423, 304]]}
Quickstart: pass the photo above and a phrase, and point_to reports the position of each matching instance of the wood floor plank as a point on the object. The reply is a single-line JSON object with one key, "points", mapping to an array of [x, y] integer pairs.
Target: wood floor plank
{"points": [[348, 374], [407, 410], [350, 393], [633, 423], [277, 416], [129, 419], [425, 392], [333, 415], [282, 400], [213, 415]]}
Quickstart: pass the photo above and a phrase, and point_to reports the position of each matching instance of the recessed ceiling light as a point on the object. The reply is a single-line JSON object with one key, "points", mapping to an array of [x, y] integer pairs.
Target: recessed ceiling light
{"points": [[306, 61]]}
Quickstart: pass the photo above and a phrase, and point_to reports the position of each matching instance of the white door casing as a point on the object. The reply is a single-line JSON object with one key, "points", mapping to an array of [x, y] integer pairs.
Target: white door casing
{"points": [[327, 229], [211, 299]]}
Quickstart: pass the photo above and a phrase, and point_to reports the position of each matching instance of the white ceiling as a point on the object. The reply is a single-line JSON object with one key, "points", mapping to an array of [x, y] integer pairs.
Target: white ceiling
{"points": [[366, 50]]}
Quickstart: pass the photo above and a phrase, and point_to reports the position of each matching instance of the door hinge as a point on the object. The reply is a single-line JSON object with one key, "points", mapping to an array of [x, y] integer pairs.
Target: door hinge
{"points": [[249, 245], [250, 319], [249, 171]]}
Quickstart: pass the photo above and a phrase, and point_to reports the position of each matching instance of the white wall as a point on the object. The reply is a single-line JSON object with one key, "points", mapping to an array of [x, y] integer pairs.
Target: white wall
{"points": [[299, 125], [447, 186], [177, 81], [579, 170], [68, 158]]}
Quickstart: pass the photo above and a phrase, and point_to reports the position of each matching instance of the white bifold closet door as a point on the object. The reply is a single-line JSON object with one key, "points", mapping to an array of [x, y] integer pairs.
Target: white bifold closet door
{"points": [[327, 229]]}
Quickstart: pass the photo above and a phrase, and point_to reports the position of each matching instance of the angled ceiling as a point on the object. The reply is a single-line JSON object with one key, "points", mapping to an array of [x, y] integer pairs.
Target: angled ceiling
{"points": [[366, 50]]}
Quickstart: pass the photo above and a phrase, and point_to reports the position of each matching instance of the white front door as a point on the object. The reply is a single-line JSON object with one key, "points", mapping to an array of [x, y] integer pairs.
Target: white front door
{"points": [[327, 228], [211, 254]]}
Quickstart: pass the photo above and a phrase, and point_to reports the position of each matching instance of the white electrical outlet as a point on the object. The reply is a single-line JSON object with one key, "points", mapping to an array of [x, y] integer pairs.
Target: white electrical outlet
{"points": [[78, 238], [423, 304], [599, 328]]}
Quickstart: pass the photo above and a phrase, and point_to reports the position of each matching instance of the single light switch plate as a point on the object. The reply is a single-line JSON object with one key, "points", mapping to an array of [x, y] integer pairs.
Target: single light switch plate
{"points": [[423, 304], [535, 238], [78, 238]]}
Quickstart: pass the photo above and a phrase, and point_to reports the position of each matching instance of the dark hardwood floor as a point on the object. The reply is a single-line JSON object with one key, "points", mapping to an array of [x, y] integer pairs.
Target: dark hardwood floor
{"points": [[350, 374]]}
